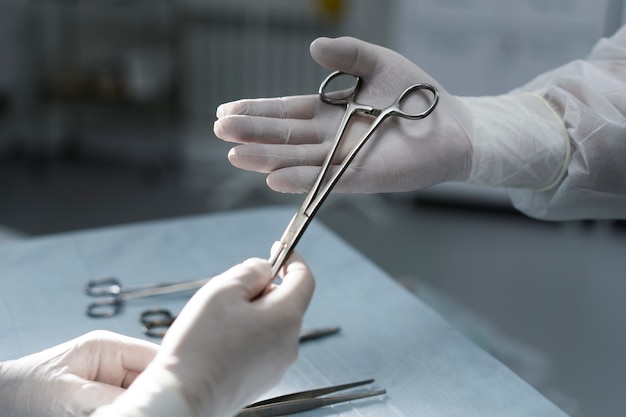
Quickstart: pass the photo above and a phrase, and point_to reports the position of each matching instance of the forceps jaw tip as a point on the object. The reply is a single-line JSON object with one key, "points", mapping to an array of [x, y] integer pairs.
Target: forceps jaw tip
{"points": [[280, 255]]}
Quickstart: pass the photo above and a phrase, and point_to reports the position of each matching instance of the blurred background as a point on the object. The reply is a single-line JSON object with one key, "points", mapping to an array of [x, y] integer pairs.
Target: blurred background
{"points": [[106, 115]]}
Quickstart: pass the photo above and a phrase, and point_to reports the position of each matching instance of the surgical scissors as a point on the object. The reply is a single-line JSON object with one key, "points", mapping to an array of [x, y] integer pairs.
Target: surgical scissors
{"points": [[113, 295], [156, 322], [306, 400], [321, 188]]}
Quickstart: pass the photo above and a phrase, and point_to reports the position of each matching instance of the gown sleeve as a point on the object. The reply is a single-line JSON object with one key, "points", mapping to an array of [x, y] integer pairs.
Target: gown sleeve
{"points": [[590, 98]]}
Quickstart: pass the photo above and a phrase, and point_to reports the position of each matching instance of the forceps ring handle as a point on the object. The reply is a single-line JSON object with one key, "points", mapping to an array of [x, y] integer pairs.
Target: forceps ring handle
{"points": [[103, 286], [346, 97], [396, 107]]}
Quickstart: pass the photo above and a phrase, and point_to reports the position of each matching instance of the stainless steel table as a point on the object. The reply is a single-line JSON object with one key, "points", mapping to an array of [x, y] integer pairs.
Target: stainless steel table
{"points": [[427, 367]]}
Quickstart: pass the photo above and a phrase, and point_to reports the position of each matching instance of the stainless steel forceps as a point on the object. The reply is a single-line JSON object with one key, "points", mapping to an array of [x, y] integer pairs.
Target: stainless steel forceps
{"points": [[306, 400], [321, 188], [113, 295]]}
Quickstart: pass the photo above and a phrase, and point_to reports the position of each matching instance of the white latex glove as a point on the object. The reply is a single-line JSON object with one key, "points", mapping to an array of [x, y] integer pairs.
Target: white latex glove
{"points": [[290, 137], [73, 378], [231, 343], [513, 140]]}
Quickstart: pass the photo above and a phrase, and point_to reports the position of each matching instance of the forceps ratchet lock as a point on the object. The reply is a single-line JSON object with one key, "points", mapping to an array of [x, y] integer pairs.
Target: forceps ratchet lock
{"points": [[112, 296], [322, 186]]}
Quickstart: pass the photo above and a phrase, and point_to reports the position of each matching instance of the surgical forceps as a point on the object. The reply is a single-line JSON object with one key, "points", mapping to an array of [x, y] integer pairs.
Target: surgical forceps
{"points": [[306, 400], [320, 189], [113, 295], [156, 322]]}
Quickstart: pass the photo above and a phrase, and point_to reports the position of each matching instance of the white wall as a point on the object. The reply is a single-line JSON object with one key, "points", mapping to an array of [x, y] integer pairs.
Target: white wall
{"points": [[491, 46]]}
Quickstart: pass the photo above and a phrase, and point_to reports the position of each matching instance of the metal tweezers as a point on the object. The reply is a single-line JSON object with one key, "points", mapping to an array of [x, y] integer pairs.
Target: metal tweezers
{"points": [[306, 400]]}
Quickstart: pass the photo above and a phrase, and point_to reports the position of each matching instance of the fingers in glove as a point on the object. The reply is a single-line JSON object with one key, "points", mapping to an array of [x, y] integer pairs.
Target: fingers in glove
{"points": [[299, 179], [293, 107], [252, 129], [93, 395], [297, 286], [112, 359], [248, 279], [257, 279], [347, 54], [268, 158]]}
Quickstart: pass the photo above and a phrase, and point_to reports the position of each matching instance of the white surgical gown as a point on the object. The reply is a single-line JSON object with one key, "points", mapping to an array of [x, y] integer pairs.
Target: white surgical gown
{"points": [[590, 97]]}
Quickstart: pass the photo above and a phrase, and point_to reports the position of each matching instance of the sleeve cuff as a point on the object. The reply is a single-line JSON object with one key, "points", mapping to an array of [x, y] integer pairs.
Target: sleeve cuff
{"points": [[518, 142]]}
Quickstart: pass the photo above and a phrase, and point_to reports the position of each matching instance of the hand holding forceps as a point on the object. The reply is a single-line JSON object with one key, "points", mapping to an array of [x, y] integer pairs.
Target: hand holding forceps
{"points": [[322, 186], [113, 296]]}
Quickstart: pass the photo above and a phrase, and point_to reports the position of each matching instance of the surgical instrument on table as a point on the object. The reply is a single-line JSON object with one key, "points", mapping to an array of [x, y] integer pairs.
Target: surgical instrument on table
{"points": [[306, 400], [157, 321], [321, 188], [317, 333], [113, 295]]}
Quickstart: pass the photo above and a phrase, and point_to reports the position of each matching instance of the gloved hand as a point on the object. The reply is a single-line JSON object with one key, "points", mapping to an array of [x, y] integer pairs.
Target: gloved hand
{"points": [[513, 140], [232, 342], [290, 137], [73, 378]]}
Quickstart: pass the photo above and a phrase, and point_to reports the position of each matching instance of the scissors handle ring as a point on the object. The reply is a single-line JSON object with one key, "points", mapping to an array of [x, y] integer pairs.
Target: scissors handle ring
{"points": [[156, 330], [103, 286], [108, 307], [156, 322], [346, 97], [396, 107], [156, 315]]}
